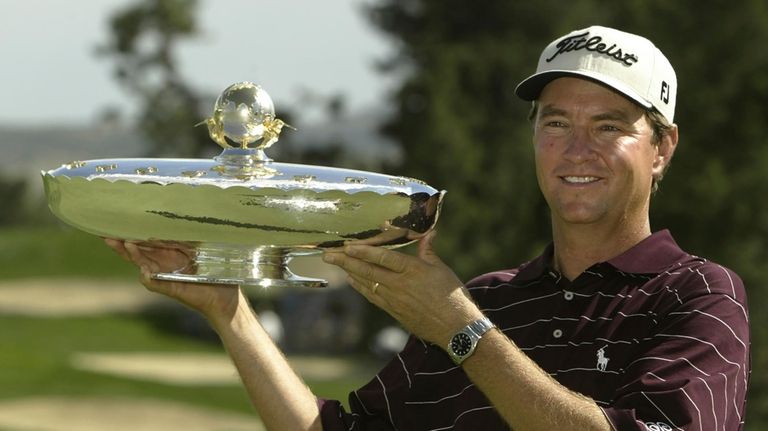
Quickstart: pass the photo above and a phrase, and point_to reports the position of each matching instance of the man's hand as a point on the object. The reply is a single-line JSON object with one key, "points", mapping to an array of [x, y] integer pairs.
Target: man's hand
{"points": [[213, 301], [421, 292]]}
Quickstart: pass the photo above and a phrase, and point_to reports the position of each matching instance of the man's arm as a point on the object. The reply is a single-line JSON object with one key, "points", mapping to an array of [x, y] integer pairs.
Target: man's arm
{"points": [[524, 394], [279, 395], [430, 301], [281, 398]]}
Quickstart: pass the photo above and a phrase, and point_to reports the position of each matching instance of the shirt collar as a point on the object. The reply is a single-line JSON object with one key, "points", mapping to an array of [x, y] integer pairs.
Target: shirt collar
{"points": [[653, 255], [537, 267]]}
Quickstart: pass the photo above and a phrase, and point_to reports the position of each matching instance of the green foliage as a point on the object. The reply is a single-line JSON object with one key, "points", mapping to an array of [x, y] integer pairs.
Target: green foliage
{"points": [[12, 192], [143, 40], [463, 129], [57, 251], [461, 125], [144, 37]]}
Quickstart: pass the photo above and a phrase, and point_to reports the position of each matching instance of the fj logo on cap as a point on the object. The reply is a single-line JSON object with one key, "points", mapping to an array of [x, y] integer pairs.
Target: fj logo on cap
{"points": [[578, 42], [664, 92]]}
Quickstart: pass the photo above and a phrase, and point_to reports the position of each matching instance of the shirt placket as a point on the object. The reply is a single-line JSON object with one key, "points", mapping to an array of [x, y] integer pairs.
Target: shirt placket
{"points": [[561, 325]]}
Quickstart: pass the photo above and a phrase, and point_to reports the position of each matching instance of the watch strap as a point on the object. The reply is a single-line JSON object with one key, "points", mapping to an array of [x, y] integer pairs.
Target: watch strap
{"points": [[480, 326]]}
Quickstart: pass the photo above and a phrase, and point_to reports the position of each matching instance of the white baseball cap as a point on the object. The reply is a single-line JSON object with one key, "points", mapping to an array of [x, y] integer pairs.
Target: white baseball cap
{"points": [[630, 64]]}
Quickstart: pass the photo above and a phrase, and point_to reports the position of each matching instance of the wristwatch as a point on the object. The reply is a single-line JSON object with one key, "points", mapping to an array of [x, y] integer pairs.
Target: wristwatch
{"points": [[463, 343]]}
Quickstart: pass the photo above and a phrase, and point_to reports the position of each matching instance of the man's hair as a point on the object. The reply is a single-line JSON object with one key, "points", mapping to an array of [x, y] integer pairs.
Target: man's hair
{"points": [[660, 127]]}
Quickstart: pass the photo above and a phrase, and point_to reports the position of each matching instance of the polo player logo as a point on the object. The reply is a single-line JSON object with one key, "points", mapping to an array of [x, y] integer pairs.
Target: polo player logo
{"points": [[602, 360]]}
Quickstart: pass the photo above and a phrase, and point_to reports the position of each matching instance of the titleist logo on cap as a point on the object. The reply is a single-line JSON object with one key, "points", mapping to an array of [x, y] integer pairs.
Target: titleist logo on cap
{"points": [[578, 42]]}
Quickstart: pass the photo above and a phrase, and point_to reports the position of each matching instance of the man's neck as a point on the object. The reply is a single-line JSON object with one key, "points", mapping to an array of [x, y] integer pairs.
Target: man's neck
{"points": [[581, 246]]}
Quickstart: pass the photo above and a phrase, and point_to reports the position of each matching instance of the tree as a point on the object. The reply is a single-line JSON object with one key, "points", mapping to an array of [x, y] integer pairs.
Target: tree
{"points": [[12, 194], [462, 128], [144, 37]]}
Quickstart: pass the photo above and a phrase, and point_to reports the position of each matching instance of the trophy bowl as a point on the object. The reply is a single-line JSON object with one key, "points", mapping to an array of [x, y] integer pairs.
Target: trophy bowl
{"points": [[240, 216]]}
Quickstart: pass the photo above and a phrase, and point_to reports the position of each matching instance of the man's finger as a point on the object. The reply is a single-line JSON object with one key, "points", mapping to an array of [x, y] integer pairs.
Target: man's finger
{"points": [[362, 286], [118, 247], [383, 257], [167, 288], [426, 252], [140, 259], [353, 265]]}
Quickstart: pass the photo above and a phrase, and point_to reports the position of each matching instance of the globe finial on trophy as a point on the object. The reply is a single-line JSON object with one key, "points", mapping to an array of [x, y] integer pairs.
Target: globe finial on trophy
{"points": [[243, 114]]}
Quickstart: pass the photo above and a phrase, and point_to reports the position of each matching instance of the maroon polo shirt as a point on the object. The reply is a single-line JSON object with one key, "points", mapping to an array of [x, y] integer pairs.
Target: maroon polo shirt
{"points": [[657, 337]]}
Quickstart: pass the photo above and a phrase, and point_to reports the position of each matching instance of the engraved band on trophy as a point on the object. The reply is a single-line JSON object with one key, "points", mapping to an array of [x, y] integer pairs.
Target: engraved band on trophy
{"points": [[241, 216]]}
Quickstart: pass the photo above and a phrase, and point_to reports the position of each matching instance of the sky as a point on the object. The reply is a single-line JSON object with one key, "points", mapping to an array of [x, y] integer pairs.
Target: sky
{"points": [[50, 74]]}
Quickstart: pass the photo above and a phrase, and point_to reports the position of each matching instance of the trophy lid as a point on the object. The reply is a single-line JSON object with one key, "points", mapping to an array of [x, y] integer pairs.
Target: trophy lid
{"points": [[244, 125]]}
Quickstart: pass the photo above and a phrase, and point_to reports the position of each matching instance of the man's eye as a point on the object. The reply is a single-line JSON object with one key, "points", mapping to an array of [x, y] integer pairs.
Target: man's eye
{"points": [[554, 124], [609, 128]]}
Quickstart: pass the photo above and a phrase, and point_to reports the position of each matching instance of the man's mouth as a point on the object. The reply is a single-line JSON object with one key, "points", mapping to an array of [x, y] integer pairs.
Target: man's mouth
{"points": [[572, 179]]}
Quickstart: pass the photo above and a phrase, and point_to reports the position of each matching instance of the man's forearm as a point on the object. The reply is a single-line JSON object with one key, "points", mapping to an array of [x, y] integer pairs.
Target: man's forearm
{"points": [[279, 395], [526, 396]]}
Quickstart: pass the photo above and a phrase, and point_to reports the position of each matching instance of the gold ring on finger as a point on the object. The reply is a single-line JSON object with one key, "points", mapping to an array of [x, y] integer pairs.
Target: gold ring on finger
{"points": [[375, 287]]}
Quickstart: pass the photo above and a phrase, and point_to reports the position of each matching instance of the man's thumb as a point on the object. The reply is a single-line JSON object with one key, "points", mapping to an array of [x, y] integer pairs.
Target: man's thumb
{"points": [[426, 252]]}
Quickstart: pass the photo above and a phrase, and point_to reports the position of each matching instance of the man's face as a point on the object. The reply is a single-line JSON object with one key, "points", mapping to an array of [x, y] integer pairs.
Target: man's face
{"points": [[594, 154]]}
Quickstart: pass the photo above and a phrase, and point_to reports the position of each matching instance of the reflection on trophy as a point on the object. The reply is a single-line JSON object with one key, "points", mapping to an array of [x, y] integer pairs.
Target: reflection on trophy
{"points": [[241, 216]]}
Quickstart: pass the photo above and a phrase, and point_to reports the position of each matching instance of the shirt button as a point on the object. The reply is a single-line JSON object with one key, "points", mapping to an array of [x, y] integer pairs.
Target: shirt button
{"points": [[557, 333], [568, 295]]}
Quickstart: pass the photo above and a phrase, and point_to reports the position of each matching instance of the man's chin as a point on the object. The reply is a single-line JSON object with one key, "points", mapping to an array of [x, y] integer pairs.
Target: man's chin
{"points": [[580, 216]]}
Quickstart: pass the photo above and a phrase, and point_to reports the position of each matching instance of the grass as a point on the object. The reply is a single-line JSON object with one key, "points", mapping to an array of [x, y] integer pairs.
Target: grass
{"points": [[35, 353], [57, 251]]}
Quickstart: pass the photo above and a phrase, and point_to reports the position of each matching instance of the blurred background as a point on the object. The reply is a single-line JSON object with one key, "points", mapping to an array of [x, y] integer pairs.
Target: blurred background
{"points": [[421, 88]]}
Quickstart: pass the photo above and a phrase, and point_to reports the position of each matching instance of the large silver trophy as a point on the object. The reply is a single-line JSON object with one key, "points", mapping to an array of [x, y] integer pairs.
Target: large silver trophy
{"points": [[240, 216]]}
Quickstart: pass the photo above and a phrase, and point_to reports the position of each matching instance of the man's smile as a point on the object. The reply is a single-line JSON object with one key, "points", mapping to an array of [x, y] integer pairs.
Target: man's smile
{"points": [[579, 179]]}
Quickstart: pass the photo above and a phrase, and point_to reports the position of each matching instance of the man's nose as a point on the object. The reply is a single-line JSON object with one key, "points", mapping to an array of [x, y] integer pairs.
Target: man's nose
{"points": [[580, 147]]}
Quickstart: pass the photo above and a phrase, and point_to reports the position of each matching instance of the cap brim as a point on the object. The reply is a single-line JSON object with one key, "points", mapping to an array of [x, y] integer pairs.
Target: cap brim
{"points": [[530, 88]]}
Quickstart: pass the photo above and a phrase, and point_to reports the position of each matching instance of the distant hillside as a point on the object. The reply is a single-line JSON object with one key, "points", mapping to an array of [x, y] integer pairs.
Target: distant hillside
{"points": [[357, 132], [26, 151]]}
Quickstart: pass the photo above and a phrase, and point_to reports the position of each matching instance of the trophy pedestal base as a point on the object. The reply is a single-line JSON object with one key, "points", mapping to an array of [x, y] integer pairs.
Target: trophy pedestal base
{"points": [[292, 281], [264, 268]]}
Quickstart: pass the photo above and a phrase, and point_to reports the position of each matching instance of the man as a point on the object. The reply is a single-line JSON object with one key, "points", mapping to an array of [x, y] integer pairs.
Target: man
{"points": [[612, 327]]}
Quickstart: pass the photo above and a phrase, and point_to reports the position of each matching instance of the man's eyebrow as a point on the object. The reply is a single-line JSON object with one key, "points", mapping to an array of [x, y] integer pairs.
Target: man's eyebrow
{"points": [[613, 115], [610, 115], [551, 111]]}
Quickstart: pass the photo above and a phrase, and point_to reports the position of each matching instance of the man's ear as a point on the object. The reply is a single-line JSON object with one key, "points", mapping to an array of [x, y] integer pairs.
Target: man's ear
{"points": [[664, 152]]}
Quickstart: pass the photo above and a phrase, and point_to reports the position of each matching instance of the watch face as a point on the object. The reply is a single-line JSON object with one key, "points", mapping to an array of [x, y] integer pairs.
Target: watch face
{"points": [[461, 344]]}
